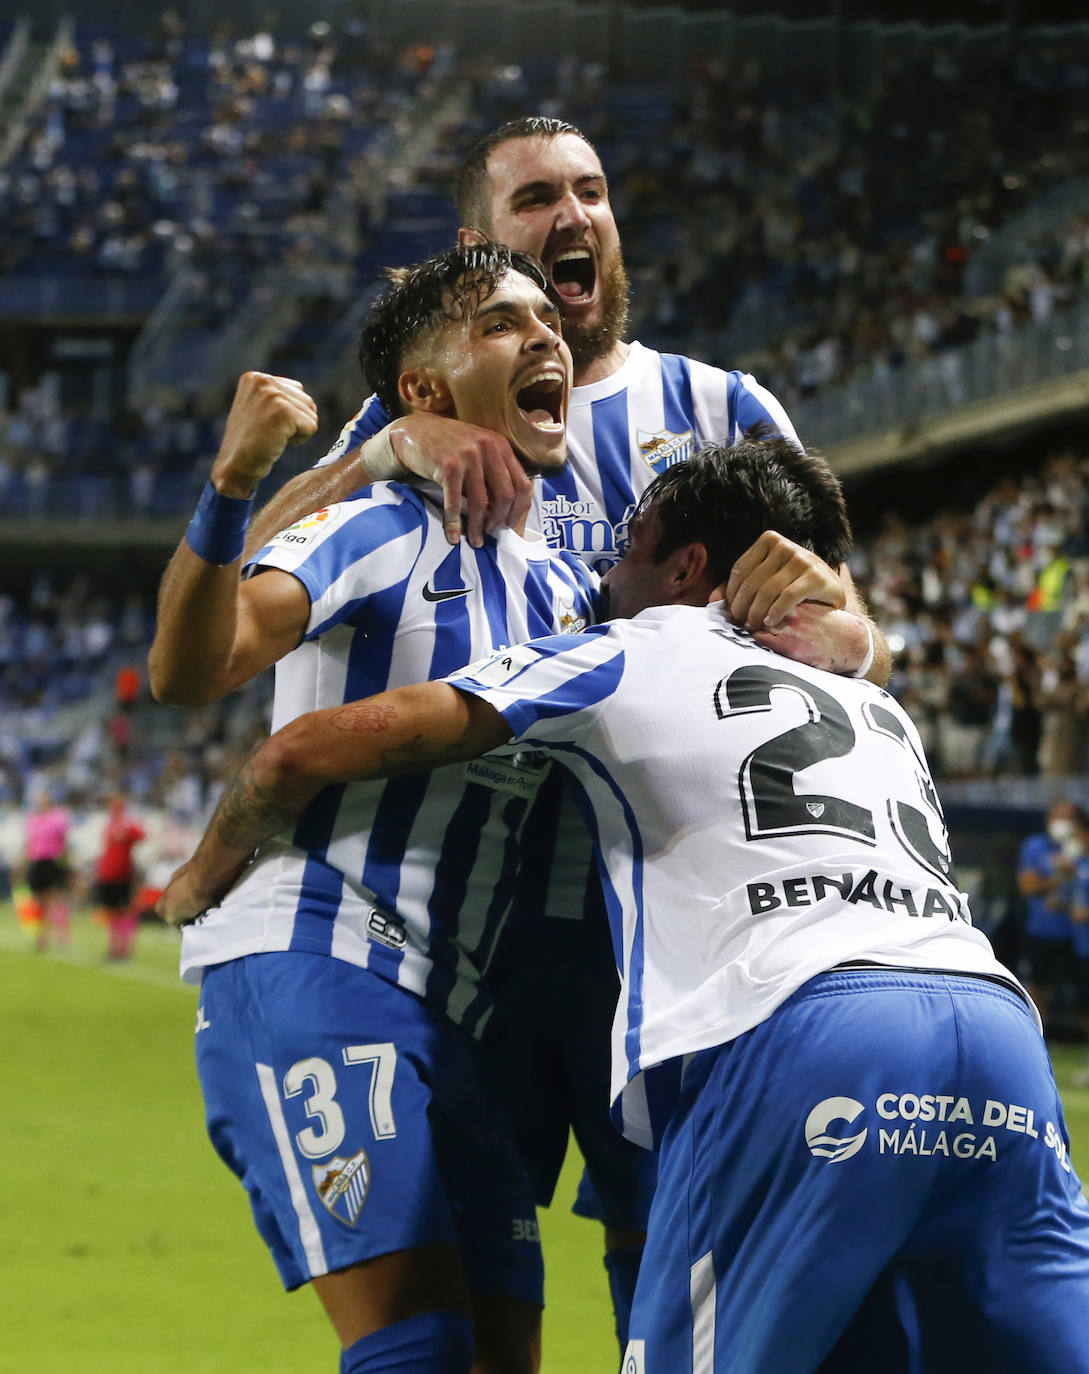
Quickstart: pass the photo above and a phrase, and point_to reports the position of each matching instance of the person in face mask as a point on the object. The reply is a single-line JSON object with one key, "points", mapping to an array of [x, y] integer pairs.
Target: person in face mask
{"points": [[1045, 877]]}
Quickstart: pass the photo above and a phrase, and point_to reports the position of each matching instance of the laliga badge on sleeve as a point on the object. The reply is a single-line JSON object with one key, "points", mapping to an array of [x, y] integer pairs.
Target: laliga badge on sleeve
{"points": [[309, 528]]}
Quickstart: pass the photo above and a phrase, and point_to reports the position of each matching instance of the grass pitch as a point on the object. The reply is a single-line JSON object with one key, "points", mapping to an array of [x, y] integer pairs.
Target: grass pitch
{"points": [[129, 1248]]}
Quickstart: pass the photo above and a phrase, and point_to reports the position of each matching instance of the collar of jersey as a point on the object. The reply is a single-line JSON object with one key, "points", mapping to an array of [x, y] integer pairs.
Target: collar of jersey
{"points": [[532, 544], [614, 382]]}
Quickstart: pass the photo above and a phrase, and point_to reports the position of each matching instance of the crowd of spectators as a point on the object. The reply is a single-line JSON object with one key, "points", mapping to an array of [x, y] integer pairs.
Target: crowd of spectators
{"points": [[171, 148], [75, 718], [988, 611], [811, 235], [69, 460], [986, 608]]}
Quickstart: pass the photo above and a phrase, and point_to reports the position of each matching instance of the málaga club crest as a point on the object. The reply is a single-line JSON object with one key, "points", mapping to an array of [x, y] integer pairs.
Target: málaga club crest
{"points": [[343, 1184]]}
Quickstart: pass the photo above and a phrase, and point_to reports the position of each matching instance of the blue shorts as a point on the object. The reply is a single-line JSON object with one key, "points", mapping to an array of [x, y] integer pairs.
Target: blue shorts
{"points": [[884, 1142], [355, 1117], [547, 1046]]}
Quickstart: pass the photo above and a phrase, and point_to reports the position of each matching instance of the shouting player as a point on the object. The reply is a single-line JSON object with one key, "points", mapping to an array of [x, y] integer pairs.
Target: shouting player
{"points": [[341, 980], [537, 185]]}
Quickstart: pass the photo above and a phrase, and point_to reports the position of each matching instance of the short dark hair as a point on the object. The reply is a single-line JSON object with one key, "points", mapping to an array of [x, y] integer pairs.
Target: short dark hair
{"points": [[423, 298], [472, 196], [727, 495]]}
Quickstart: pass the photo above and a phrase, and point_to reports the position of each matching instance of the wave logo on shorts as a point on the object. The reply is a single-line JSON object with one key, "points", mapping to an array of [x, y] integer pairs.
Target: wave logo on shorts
{"points": [[635, 1358], [343, 1184], [833, 1147]]}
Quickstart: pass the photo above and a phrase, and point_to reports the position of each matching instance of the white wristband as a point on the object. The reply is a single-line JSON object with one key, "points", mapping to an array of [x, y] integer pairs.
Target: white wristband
{"points": [[379, 458], [867, 663]]}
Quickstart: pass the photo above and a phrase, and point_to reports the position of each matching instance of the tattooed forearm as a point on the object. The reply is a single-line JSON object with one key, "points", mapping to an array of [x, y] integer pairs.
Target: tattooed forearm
{"points": [[419, 755], [244, 819], [415, 754], [363, 716], [246, 816]]}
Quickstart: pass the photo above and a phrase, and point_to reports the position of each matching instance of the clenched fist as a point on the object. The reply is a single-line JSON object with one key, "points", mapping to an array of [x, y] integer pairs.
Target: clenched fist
{"points": [[266, 415]]}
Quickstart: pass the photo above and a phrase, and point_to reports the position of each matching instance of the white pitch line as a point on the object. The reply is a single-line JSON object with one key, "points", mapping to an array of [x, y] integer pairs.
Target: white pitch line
{"points": [[15, 942]]}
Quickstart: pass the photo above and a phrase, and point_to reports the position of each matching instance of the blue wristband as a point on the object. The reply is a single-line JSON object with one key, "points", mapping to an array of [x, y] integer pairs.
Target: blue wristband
{"points": [[217, 531]]}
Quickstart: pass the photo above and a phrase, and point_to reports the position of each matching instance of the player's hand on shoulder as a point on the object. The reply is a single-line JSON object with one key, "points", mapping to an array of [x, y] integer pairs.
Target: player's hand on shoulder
{"points": [[772, 578], [267, 414], [483, 483], [820, 636]]}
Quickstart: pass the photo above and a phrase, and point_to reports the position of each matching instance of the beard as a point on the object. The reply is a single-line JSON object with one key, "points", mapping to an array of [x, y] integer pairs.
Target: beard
{"points": [[589, 340]]}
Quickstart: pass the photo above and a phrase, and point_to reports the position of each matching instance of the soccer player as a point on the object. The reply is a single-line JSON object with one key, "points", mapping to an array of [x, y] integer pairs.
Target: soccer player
{"points": [[341, 980], [845, 1084], [537, 185]]}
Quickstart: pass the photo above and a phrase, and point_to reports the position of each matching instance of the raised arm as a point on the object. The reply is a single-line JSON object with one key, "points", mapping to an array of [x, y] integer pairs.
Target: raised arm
{"points": [[483, 483], [212, 633], [407, 730]]}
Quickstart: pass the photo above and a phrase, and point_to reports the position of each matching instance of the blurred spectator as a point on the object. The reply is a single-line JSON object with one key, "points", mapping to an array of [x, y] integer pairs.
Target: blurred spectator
{"points": [[1079, 927], [1045, 876], [1026, 721], [1062, 740], [970, 704]]}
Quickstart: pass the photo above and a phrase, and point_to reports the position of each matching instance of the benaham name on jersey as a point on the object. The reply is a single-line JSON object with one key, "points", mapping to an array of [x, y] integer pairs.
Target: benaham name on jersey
{"points": [[869, 888]]}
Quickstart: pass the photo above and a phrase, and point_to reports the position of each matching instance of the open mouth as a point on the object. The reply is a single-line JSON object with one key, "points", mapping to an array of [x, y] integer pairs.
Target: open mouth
{"points": [[541, 402], [574, 276]]}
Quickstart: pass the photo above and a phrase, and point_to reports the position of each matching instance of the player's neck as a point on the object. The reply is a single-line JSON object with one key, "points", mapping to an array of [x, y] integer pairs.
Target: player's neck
{"points": [[599, 368]]}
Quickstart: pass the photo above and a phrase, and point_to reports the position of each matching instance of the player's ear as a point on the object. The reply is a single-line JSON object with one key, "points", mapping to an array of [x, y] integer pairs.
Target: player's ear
{"points": [[468, 237], [687, 570], [424, 390]]}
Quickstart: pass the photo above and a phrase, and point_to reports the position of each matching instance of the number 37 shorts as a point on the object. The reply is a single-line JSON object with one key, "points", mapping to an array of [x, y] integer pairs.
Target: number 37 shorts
{"points": [[355, 1116]]}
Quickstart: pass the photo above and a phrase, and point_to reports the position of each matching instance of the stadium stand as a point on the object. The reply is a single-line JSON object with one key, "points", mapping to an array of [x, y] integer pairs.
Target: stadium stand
{"points": [[232, 184]]}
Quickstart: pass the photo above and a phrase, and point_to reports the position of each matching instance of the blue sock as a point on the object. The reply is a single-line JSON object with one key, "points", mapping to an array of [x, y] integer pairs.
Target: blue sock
{"points": [[622, 1266], [431, 1343]]}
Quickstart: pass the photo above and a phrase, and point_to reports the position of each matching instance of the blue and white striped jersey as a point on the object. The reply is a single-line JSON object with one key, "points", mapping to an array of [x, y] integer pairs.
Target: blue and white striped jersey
{"points": [[756, 823], [621, 432], [409, 878]]}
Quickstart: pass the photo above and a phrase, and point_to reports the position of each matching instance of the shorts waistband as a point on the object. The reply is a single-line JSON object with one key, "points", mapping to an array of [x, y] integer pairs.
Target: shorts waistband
{"points": [[868, 966]]}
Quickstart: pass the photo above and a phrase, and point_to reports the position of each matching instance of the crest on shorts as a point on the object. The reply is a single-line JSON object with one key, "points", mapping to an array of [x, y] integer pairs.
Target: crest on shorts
{"points": [[663, 449], [343, 1184]]}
